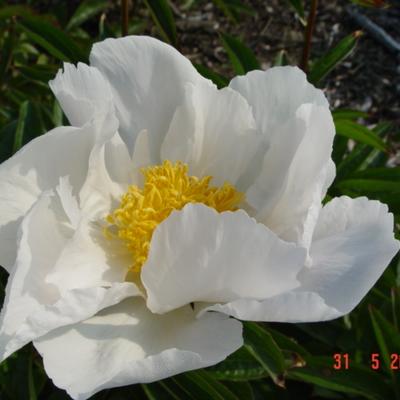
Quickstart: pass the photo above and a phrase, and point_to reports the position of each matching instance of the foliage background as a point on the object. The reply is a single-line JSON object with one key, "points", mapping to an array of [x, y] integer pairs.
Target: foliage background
{"points": [[224, 38]]}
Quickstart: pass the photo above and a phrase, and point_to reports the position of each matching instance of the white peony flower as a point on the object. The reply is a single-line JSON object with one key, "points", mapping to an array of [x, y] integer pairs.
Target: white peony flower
{"points": [[166, 199]]}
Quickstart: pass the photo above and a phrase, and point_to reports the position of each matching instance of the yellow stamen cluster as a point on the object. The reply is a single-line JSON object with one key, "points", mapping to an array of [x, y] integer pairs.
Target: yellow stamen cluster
{"points": [[167, 187]]}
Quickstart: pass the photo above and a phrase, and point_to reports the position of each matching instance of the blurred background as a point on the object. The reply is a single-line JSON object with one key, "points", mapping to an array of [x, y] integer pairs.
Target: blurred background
{"points": [[351, 50]]}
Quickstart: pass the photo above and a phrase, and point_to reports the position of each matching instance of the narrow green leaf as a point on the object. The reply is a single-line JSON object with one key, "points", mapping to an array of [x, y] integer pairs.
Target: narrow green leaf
{"points": [[333, 57], [42, 73], [242, 390], [86, 10], [155, 391], [203, 386], [218, 79], [52, 39], [31, 381], [11, 11], [239, 366], [359, 133], [19, 132], [7, 52], [264, 349], [369, 186], [281, 59], [357, 380], [388, 339], [390, 335], [344, 113], [298, 7], [383, 173], [242, 58], [164, 19], [233, 9]]}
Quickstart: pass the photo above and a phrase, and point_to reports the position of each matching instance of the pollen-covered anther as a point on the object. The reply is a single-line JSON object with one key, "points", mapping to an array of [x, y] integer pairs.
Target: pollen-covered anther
{"points": [[167, 187]]}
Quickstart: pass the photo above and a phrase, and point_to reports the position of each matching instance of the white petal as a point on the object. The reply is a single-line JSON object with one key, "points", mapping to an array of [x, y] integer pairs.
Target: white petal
{"points": [[147, 79], [127, 344], [292, 183], [199, 255], [38, 166], [32, 306], [293, 306], [275, 95], [352, 245], [213, 132], [88, 253], [82, 92]]}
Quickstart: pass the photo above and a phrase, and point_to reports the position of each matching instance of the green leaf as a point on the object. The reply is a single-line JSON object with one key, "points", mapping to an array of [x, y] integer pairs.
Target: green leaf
{"points": [[344, 113], [86, 10], [233, 9], [242, 58], [239, 366], [11, 11], [164, 19], [218, 79], [19, 132], [361, 156], [359, 133], [357, 380], [264, 349], [299, 8], [383, 173], [333, 57], [200, 385], [364, 186], [388, 339], [7, 52], [31, 381], [52, 39], [281, 59], [156, 391]]}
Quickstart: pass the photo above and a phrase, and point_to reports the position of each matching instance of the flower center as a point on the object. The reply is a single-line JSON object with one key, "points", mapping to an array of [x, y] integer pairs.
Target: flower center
{"points": [[167, 187]]}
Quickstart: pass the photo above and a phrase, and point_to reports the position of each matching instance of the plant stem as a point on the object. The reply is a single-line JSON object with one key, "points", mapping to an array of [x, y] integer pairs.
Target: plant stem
{"points": [[308, 35], [124, 17]]}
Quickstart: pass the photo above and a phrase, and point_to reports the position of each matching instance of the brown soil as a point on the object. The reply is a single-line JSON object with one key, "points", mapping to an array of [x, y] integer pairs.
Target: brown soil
{"points": [[368, 80]]}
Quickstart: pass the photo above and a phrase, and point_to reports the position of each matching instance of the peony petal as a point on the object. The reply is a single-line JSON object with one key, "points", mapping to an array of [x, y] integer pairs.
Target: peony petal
{"points": [[82, 92], [275, 95], [127, 344], [294, 306], [352, 245], [88, 253], [28, 173], [213, 131], [33, 306], [292, 182], [147, 79], [199, 255]]}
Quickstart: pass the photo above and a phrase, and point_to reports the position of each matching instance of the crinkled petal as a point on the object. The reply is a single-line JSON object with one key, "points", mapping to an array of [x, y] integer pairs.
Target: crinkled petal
{"points": [[82, 92], [127, 344], [199, 255], [147, 79], [33, 306], [213, 131], [293, 179], [37, 167], [89, 254], [275, 95], [352, 245], [294, 306]]}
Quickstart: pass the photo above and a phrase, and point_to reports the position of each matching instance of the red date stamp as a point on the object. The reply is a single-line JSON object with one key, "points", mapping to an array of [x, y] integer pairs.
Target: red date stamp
{"points": [[341, 361]]}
